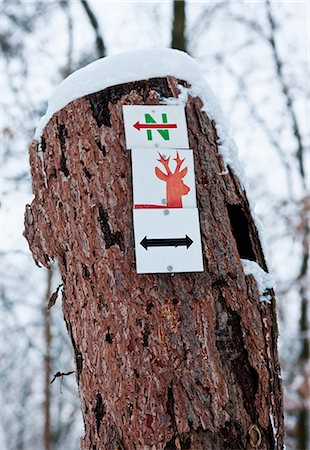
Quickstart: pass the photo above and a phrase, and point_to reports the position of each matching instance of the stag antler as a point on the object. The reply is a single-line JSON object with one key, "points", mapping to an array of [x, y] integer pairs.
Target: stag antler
{"points": [[179, 162], [165, 163]]}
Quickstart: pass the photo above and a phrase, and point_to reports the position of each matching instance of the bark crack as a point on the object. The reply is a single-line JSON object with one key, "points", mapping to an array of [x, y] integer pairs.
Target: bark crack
{"points": [[99, 411], [109, 237], [77, 354], [63, 135], [171, 445], [146, 334], [234, 356]]}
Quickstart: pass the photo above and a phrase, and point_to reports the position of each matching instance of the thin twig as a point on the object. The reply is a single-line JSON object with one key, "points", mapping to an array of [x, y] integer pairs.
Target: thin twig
{"points": [[61, 374]]}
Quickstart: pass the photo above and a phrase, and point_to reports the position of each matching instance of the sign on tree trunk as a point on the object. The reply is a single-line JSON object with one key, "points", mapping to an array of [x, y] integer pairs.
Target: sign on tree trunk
{"points": [[185, 359]]}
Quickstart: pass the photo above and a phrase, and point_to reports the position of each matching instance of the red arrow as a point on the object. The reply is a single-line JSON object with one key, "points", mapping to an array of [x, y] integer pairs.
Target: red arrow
{"points": [[138, 126]]}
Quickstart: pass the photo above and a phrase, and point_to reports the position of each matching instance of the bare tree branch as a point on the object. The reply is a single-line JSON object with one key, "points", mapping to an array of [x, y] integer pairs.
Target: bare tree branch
{"points": [[249, 23], [101, 50], [286, 91], [69, 64], [242, 92], [202, 22]]}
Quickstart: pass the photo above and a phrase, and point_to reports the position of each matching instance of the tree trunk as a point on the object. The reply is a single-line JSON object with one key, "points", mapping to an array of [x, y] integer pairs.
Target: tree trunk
{"points": [[303, 390], [164, 361], [47, 434]]}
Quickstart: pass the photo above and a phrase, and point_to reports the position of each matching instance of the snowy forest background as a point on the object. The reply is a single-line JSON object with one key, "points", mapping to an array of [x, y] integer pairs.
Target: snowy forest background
{"points": [[255, 57]]}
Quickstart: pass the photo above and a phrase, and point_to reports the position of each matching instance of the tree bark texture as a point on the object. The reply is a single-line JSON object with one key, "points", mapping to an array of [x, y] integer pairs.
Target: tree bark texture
{"points": [[164, 361]]}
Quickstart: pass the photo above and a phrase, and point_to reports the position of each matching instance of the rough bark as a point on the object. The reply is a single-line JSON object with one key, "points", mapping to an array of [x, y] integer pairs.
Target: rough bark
{"points": [[183, 361]]}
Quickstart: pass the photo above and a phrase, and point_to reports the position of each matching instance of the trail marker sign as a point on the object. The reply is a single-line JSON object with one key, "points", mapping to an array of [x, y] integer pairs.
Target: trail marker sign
{"points": [[163, 178], [167, 240], [155, 126], [165, 214]]}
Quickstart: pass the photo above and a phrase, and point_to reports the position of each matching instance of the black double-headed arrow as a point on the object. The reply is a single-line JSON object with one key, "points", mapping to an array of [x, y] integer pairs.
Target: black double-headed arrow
{"points": [[166, 242]]}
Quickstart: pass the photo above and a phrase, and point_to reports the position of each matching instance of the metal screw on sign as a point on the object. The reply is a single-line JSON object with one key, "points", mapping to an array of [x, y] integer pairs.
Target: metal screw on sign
{"points": [[166, 212], [170, 268]]}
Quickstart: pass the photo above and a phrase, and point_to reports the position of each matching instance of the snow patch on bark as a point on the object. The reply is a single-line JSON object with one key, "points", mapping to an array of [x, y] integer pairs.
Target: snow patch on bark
{"points": [[263, 279], [274, 429], [180, 100]]}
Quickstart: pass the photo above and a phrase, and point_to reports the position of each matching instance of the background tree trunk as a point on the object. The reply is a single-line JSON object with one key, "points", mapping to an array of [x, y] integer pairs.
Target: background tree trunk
{"points": [[178, 35], [47, 434], [164, 361]]}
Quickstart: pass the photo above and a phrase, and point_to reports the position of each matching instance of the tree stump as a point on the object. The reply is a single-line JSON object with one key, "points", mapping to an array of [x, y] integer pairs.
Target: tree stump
{"points": [[163, 361]]}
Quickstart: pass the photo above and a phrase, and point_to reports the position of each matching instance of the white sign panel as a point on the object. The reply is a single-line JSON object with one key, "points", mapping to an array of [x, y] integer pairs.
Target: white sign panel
{"points": [[155, 126], [163, 178], [167, 240]]}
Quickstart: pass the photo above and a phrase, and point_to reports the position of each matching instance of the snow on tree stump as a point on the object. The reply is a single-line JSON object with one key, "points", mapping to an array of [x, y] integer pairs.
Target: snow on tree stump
{"points": [[163, 361]]}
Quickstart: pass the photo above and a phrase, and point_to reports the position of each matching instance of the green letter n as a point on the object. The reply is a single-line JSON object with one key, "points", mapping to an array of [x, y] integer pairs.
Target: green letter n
{"points": [[164, 133]]}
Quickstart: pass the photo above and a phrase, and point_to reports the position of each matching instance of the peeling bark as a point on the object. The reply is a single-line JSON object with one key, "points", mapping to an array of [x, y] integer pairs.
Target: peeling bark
{"points": [[183, 361]]}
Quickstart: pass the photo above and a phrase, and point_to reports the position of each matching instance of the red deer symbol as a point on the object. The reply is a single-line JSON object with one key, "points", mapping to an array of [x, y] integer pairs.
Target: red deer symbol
{"points": [[175, 187]]}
